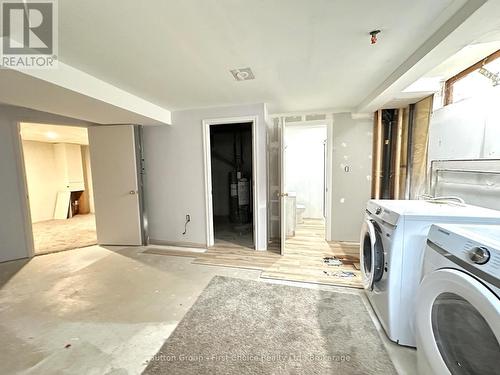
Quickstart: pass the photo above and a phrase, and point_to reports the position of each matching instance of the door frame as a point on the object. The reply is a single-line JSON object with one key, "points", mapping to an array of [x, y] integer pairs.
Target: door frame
{"points": [[207, 160], [328, 122], [32, 116], [23, 185], [23, 182]]}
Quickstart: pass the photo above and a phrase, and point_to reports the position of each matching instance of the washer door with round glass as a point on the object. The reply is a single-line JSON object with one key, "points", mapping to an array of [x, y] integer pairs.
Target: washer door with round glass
{"points": [[458, 323], [371, 254]]}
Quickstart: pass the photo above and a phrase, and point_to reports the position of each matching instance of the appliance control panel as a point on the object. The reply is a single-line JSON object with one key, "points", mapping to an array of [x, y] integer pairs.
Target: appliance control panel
{"points": [[483, 257], [382, 213], [479, 255]]}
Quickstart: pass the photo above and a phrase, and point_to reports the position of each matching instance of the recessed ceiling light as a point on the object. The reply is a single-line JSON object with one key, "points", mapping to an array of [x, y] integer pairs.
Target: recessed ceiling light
{"points": [[242, 74], [51, 135]]}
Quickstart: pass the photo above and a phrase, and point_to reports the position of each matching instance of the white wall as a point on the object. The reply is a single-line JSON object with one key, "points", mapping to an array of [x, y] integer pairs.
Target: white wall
{"points": [[42, 178], [305, 156], [175, 183], [469, 129], [352, 147], [46, 175]]}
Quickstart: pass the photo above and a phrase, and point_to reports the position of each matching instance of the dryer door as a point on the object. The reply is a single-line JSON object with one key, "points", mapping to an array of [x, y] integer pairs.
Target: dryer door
{"points": [[371, 254], [458, 324]]}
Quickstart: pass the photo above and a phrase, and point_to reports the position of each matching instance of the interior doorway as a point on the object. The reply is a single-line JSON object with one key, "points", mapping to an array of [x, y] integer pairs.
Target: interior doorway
{"points": [[231, 172], [305, 180], [57, 171]]}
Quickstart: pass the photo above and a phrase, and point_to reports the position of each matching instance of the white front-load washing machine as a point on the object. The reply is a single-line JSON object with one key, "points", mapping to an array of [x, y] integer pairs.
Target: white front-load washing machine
{"points": [[391, 249], [458, 302]]}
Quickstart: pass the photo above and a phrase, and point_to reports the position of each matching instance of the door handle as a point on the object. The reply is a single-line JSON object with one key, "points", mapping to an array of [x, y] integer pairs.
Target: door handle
{"points": [[132, 192], [284, 195]]}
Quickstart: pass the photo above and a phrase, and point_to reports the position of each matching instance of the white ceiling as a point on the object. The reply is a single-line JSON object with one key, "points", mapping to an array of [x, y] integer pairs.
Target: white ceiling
{"points": [[306, 55], [464, 58], [467, 41], [54, 133]]}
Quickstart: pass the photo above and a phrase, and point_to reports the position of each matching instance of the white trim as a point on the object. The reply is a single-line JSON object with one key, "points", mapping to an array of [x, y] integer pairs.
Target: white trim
{"points": [[328, 112], [208, 184], [208, 174], [329, 179], [309, 124], [23, 186], [282, 192]]}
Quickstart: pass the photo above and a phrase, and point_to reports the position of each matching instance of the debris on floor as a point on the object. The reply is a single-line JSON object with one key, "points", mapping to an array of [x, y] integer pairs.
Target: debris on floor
{"points": [[332, 261], [342, 274], [344, 259]]}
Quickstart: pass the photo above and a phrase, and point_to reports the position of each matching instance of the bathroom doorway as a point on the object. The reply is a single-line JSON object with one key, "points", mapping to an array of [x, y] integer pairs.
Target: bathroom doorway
{"points": [[305, 168]]}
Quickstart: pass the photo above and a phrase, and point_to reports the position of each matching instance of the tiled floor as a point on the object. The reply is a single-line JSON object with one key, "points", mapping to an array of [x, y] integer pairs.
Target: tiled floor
{"points": [[108, 310], [57, 235]]}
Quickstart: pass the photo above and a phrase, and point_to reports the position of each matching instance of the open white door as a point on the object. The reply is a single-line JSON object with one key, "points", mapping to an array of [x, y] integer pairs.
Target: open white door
{"points": [[116, 185], [283, 193]]}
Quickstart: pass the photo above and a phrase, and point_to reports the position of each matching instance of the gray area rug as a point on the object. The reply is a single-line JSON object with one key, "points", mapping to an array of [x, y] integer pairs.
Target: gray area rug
{"points": [[250, 327]]}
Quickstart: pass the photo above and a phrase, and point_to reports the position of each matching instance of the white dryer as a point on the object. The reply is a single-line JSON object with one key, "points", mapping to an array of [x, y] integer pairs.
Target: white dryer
{"points": [[458, 302], [391, 249]]}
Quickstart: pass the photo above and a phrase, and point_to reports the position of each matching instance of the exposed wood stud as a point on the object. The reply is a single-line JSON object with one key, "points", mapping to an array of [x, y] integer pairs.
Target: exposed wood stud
{"points": [[377, 154], [448, 86]]}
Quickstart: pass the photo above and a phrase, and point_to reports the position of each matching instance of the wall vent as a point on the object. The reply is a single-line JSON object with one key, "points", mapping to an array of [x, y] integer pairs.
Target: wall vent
{"points": [[243, 74]]}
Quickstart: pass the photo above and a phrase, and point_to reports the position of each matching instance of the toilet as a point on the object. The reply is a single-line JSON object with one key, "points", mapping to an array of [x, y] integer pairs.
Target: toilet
{"points": [[299, 213]]}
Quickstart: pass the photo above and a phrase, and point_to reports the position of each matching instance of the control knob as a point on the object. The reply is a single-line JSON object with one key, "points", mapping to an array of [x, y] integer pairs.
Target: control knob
{"points": [[479, 255]]}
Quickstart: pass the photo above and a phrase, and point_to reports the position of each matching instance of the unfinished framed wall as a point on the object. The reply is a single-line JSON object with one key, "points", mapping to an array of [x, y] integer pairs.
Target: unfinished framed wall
{"points": [[399, 162], [419, 147], [377, 154], [388, 154]]}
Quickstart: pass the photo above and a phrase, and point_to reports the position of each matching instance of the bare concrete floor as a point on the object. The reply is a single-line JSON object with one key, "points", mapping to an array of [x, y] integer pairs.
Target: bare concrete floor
{"points": [[227, 233], [107, 310]]}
